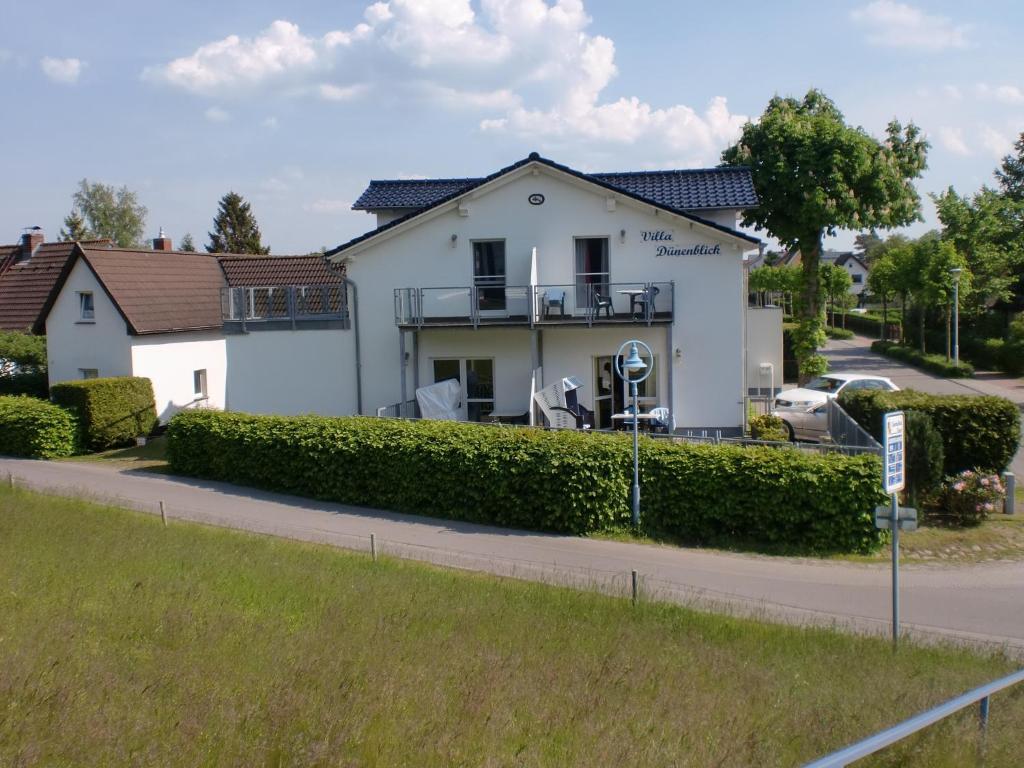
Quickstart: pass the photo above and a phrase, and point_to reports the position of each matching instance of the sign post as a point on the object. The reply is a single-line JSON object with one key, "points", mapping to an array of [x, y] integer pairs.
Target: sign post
{"points": [[893, 481]]}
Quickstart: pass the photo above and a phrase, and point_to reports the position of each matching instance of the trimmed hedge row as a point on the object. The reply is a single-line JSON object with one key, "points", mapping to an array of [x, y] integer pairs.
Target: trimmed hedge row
{"points": [[977, 432], [869, 325], [935, 363], [112, 411], [564, 481], [35, 428]]}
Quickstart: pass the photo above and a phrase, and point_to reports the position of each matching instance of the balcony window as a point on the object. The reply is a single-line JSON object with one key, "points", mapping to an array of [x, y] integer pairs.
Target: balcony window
{"points": [[477, 380]]}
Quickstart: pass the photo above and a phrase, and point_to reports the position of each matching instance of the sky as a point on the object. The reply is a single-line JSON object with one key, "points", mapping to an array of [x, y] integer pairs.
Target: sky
{"points": [[296, 106]]}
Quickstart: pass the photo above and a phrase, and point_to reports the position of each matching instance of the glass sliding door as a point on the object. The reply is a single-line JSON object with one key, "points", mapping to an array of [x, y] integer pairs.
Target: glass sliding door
{"points": [[604, 386], [476, 376], [592, 275], [489, 275]]}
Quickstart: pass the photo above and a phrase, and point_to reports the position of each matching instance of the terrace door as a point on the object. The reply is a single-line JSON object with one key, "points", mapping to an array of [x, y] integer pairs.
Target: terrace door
{"points": [[591, 270], [489, 276], [477, 380]]}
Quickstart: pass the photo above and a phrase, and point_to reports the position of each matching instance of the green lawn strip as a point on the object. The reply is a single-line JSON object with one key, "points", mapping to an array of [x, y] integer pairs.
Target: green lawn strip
{"points": [[151, 456], [123, 642]]}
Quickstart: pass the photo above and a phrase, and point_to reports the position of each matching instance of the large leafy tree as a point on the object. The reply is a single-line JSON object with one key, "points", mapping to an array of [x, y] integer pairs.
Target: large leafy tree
{"points": [[882, 284], [815, 175], [1010, 173], [234, 228], [106, 212], [836, 283]]}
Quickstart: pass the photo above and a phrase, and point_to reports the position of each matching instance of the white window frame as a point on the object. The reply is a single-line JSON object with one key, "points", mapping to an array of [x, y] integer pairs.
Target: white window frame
{"points": [[89, 373], [199, 383], [86, 313], [580, 301]]}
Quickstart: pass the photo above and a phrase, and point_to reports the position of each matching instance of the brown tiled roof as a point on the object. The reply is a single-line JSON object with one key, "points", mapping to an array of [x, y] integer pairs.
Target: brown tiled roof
{"points": [[27, 287], [267, 271], [160, 291]]}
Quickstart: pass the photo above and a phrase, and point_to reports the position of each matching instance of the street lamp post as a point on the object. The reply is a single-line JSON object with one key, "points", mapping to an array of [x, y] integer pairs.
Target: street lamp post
{"points": [[626, 368], [956, 314]]}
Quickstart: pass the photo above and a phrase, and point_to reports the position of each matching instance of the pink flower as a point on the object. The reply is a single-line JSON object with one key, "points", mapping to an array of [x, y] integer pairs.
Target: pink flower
{"points": [[989, 506], [984, 482], [959, 486], [977, 507]]}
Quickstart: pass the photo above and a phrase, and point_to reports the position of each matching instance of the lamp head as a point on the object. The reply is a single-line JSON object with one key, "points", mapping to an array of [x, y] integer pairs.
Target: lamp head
{"points": [[955, 272], [633, 363]]}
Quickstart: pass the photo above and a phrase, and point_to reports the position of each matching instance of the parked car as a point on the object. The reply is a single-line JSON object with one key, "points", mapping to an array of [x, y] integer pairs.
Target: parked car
{"points": [[804, 410]]}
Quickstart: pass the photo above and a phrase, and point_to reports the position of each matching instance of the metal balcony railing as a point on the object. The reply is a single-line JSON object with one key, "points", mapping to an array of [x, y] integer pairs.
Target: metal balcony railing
{"points": [[582, 303], [288, 304]]}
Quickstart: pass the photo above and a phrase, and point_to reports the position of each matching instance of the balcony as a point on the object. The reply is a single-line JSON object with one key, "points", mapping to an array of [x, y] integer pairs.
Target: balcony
{"points": [[586, 304], [284, 307]]}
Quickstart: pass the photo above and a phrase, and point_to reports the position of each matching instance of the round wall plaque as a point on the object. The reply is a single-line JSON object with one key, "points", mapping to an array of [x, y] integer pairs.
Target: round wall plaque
{"points": [[536, 199]]}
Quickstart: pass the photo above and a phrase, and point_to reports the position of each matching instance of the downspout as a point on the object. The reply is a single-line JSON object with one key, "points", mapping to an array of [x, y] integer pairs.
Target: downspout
{"points": [[354, 319]]}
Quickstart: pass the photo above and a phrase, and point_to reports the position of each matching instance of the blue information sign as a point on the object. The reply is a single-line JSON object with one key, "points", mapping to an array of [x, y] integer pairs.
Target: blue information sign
{"points": [[894, 465]]}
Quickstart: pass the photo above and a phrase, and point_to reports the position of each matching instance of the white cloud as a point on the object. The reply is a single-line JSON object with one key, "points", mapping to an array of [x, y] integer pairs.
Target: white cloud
{"points": [[953, 140], [995, 142], [328, 206], [270, 123], [329, 92], [1004, 94], [216, 115], [281, 183], [899, 25], [528, 67], [952, 93], [65, 71]]}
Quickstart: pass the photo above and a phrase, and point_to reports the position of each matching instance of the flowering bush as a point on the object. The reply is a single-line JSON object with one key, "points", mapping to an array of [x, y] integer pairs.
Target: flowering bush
{"points": [[968, 498]]}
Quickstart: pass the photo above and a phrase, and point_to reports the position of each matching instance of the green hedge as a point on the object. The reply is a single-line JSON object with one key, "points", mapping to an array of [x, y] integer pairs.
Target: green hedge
{"points": [[35, 428], [111, 412], [977, 432], [565, 481], [32, 383], [870, 325], [838, 333], [934, 363]]}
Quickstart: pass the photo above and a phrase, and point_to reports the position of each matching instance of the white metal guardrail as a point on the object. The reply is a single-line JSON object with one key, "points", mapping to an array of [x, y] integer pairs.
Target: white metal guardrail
{"points": [[909, 727]]}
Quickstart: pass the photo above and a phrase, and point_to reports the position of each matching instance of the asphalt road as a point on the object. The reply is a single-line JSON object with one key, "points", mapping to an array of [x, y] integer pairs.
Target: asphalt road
{"points": [[981, 603], [856, 355]]}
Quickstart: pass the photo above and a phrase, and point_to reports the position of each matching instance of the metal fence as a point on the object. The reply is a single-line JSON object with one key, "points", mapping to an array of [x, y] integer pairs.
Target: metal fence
{"points": [[844, 431], [411, 410], [880, 741]]}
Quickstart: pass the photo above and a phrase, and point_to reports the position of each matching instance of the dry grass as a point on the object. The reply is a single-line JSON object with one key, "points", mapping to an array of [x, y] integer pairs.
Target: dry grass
{"points": [[126, 643]]}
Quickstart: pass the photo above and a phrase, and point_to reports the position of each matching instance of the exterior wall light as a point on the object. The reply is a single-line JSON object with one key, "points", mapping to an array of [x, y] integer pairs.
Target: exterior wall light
{"points": [[622, 235], [455, 239]]}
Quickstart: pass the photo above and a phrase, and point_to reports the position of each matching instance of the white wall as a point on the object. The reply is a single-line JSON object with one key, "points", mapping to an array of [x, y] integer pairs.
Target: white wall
{"points": [[72, 344], [764, 345], [708, 292], [292, 372], [169, 360]]}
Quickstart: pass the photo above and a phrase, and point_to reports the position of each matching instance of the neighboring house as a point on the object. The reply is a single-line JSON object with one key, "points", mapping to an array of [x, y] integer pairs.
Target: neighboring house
{"points": [[858, 271], [120, 312], [537, 272], [265, 334], [29, 271]]}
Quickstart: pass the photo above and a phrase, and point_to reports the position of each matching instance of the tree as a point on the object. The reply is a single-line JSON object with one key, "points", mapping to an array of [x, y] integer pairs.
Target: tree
{"points": [[938, 280], [74, 228], [111, 213], [867, 245], [234, 228], [836, 282], [882, 284], [815, 175], [1010, 173], [187, 243]]}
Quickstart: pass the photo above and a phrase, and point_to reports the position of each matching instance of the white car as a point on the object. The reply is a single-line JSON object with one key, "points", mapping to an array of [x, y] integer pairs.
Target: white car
{"points": [[804, 410]]}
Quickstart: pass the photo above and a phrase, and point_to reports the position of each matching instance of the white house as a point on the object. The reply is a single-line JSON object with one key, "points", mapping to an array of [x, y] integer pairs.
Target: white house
{"points": [[538, 272], [858, 271], [261, 334]]}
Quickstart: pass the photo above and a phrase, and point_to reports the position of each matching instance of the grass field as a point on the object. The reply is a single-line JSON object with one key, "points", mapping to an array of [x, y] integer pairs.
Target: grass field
{"points": [[123, 642]]}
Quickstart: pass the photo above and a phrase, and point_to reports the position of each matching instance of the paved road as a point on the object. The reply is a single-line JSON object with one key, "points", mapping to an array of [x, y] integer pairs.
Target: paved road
{"points": [[982, 603], [856, 355]]}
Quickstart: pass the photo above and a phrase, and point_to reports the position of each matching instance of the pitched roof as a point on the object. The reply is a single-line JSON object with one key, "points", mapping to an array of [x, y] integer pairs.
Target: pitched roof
{"points": [[159, 291], [851, 256], [265, 271], [535, 158], [685, 190], [28, 286]]}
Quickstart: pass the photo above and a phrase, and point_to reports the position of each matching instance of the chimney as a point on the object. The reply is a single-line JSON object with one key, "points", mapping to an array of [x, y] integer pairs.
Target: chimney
{"points": [[30, 242], [162, 243]]}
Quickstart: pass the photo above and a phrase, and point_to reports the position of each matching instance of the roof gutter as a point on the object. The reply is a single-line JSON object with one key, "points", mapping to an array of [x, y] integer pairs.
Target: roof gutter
{"points": [[355, 327]]}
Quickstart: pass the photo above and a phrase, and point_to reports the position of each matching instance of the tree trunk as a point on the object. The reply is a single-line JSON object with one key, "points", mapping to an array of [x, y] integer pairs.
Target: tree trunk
{"points": [[903, 319], [885, 317], [920, 325], [810, 309]]}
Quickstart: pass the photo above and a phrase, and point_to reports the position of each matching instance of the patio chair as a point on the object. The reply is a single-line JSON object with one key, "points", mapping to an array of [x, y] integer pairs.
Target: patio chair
{"points": [[601, 301], [645, 302], [560, 406], [551, 299]]}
